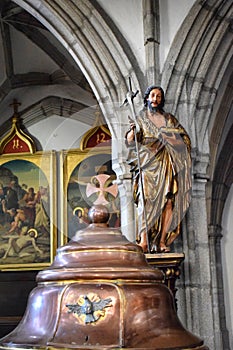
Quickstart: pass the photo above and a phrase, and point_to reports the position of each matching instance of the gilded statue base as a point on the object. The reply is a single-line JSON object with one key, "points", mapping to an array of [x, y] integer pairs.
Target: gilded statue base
{"points": [[169, 264]]}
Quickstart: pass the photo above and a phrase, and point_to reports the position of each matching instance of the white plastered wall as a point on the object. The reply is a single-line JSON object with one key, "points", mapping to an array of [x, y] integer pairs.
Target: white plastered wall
{"points": [[172, 14], [127, 15], [58, 133]]}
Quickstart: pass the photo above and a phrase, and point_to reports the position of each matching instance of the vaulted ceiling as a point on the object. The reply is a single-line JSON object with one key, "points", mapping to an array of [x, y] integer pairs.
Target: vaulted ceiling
{"points": [[36, 70]]}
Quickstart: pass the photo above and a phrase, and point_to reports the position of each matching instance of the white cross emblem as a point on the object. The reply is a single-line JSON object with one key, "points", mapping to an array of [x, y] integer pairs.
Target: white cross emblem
{"points": [[101, 188]]}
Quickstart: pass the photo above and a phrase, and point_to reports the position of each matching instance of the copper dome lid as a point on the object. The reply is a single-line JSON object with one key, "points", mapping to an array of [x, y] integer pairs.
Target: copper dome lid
{"points": [[100, 293]]}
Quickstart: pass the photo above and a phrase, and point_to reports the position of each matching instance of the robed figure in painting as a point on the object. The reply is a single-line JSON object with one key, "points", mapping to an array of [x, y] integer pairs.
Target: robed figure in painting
{"points": [[162, 172]]}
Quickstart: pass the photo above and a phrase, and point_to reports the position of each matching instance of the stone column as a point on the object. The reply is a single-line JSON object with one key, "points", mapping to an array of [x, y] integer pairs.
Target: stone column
{"points": [[127, 208], [120, 124], [220, 330], [197, 276], [151, 40]]}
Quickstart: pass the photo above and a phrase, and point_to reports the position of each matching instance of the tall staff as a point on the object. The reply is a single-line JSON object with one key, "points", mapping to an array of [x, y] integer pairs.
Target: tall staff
{"points": [[129, 101]]}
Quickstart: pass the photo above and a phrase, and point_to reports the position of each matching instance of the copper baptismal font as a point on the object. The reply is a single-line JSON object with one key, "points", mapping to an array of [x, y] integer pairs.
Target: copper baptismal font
{"points": [[100, 293]]}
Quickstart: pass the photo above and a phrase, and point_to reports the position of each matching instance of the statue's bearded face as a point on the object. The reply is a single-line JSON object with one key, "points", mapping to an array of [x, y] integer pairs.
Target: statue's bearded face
{"points": [[155, 100]]}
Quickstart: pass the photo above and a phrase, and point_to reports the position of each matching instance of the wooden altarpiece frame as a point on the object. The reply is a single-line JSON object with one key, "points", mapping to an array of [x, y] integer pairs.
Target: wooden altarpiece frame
{"points": [[79, 168], [28, 222]]}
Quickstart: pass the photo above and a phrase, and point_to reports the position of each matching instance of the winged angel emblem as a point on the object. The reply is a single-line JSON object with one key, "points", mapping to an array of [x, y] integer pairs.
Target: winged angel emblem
{"points": [[89, 307]]}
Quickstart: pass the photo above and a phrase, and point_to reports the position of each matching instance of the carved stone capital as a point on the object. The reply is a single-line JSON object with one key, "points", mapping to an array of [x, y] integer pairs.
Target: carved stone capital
{"points": [[200, 165], [215, 232]]}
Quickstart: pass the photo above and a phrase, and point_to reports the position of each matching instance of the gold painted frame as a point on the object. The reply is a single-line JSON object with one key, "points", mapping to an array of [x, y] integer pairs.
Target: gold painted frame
{"points": [[77, 169], [28, 221]]}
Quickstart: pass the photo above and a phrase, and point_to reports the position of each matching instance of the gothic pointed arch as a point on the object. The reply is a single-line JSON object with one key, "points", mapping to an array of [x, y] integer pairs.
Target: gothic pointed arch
{"points": [[98, 48], [107, 62], [195, 66]]}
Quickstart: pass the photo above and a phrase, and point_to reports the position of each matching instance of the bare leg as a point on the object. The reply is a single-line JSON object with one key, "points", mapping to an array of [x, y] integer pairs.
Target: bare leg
{"points": [[143, 242], [8, 248], [166, 222]]}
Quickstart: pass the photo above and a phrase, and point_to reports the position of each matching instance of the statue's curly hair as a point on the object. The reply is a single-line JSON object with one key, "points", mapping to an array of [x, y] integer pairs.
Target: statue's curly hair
{"points": [[147, 93]]}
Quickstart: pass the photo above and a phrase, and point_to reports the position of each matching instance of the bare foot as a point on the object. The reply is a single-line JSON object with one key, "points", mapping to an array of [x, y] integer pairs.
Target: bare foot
{"points": [[143, 243], [163, 248], [144, 246]]}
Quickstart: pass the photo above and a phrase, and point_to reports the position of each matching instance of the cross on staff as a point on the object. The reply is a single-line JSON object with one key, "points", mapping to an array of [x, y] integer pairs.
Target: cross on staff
{"points": [[129, 101]]}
